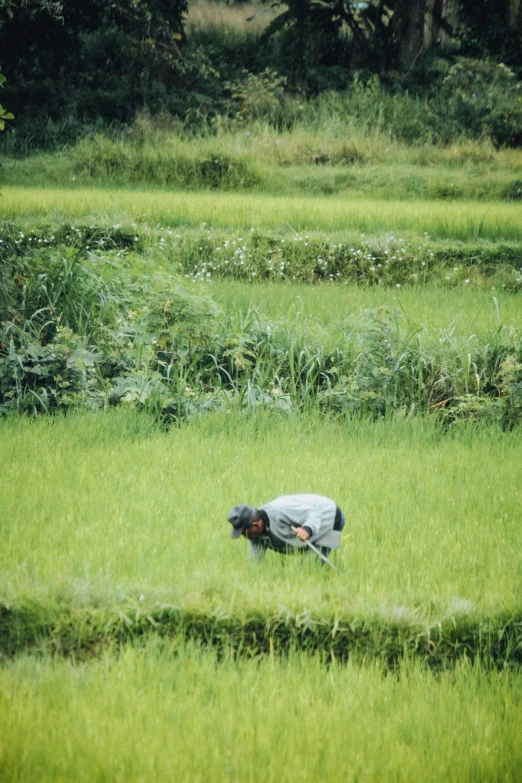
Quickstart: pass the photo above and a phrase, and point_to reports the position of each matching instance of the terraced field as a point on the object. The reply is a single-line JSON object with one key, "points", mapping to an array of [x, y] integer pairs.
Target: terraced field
{"points": [[159, 365]]}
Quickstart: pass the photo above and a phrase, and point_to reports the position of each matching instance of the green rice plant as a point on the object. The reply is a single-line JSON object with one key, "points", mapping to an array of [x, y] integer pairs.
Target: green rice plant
{"points": [[434, 307], [463, 220], [427, 561], [164, 711]]}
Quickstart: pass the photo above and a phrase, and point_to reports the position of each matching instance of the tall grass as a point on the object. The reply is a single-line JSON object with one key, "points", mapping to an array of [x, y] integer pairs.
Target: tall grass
{"points": [[178, 714], [96, 509], [321, 160], [243, 20], [459, 220], [70, 338]]}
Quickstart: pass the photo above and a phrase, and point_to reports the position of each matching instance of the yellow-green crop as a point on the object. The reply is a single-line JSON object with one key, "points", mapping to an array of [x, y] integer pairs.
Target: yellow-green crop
{"points": [[166, 713], [461, 311], [460, 220], [90, 508]]}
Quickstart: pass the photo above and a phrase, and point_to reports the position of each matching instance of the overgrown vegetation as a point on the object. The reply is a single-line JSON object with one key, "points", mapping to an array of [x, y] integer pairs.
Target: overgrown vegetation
{"points": [[328, 155], [77, 333]]}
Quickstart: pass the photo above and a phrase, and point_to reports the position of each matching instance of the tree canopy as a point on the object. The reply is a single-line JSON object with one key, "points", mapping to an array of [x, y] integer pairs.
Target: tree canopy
{"points": [[109, 59]]}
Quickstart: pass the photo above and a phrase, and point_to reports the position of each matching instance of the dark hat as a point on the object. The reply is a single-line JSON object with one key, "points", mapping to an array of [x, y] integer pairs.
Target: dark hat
{"points": [[240, 518]]}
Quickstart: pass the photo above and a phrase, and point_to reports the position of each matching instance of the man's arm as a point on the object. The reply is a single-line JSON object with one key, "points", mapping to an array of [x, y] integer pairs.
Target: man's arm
{"points": [[311, 525]]}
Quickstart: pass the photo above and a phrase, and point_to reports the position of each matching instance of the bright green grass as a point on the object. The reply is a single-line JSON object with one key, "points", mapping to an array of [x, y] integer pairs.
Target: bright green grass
{"points": [[462, 311], [459, 220], [92, 507], [149, 715]]}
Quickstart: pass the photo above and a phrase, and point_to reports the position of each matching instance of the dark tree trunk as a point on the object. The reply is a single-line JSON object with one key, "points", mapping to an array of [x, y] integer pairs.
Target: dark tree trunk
{"points": [[301, 11], [408, 31], [438, 14], [517, 17]]}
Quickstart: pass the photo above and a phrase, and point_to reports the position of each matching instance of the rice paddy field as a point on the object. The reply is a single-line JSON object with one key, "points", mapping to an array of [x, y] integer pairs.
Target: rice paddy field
{"points": [[156, 714], [441, 219], [441, 312], [436, 525], [137, 642]]}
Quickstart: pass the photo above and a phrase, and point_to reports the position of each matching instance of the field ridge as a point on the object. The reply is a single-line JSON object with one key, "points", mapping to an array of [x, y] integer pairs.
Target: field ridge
{"points": [[494, 640]]}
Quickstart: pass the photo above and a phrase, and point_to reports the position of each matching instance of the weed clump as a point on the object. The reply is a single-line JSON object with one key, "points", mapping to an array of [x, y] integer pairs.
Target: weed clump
{"points": [[102, 158], [388, 261]]}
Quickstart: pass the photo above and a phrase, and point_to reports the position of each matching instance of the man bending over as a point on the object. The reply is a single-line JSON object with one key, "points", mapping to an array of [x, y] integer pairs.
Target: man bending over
{"points": [[286, 523]]}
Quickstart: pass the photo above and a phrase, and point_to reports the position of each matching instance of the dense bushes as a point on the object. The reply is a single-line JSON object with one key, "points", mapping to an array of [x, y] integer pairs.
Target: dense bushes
{"points": [[94, 59], [470, 100], [485, 99], [98, 65]]}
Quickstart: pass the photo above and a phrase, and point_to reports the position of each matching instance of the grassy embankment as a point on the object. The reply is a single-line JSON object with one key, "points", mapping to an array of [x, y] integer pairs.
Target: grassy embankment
{"points": [[208, 235], [331, 154]]}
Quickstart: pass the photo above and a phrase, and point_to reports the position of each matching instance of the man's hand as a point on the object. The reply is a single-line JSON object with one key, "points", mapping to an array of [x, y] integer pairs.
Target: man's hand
{"points": [[300, 533]]}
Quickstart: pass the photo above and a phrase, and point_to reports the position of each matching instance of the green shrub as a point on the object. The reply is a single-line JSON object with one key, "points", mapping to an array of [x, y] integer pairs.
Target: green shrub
{"points": [[513, 192], [473, 100], [54, 313], [484, 98], [217, 171], [38, 377], [257, 95]]}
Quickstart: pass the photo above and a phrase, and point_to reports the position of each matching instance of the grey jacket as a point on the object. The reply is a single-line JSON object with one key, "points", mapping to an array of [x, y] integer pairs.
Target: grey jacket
{"points": [[313, 511]]}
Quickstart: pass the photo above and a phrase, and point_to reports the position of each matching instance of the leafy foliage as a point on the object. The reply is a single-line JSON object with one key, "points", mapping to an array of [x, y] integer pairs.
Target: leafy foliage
{"points": [[30, 7], [489, 27], [4, 114], [98, 64], [485, 97], [257, 94], [96, 58]]}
